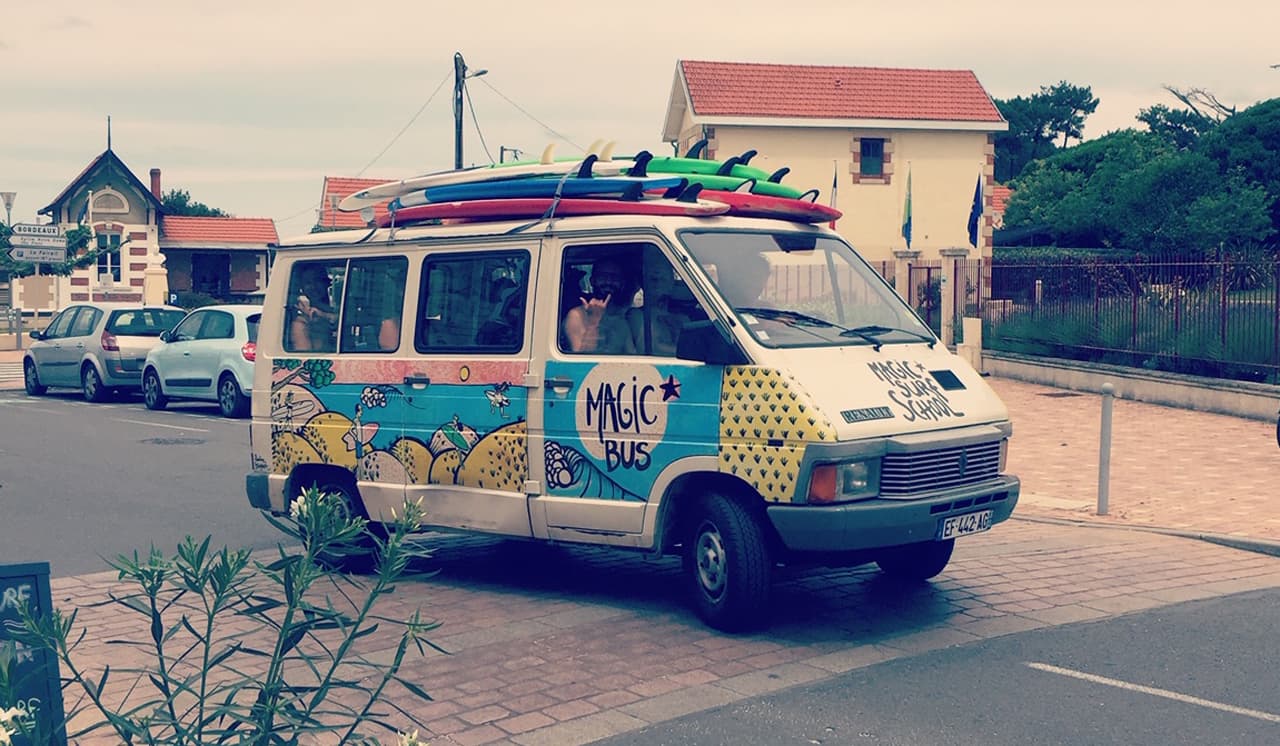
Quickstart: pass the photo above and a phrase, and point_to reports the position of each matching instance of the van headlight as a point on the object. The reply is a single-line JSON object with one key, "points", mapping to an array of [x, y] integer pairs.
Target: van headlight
{"points": [[845, 481]]}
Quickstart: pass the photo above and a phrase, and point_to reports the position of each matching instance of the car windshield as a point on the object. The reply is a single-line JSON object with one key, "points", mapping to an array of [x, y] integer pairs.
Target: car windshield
{"points": [[803, 289], [143, 322]]}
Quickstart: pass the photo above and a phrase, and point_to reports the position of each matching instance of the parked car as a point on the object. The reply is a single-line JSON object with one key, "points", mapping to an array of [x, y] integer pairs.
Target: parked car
{"points": [[208, 356], [96, 347]]}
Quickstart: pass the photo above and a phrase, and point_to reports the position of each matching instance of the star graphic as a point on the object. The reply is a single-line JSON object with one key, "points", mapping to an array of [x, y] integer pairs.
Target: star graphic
{"points": [[670, 389]]}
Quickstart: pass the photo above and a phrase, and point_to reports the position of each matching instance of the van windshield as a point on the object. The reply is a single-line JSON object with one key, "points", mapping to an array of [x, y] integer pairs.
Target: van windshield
{"points": [[803, 290]]}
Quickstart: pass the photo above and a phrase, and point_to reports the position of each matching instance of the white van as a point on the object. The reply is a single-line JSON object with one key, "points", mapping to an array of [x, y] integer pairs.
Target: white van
{"points": [[741, 391]]}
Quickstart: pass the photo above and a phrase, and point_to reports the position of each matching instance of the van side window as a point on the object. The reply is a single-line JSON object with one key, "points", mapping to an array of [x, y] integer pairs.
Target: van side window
{"points": [[373, 308], [662, 308], [311, 313], [473, 303]]}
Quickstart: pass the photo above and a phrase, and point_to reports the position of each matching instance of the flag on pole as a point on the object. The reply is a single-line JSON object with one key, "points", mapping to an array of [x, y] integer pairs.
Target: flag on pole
{"points": [[906, 211], [975, 213], [835, 181]]}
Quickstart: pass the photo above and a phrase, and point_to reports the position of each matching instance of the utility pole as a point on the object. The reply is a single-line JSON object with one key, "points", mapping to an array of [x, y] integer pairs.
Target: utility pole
{"points": [[460, 76]]}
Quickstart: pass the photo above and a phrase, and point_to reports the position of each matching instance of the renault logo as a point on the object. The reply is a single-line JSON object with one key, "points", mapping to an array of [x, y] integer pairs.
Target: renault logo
{"points": [[964, 462]]}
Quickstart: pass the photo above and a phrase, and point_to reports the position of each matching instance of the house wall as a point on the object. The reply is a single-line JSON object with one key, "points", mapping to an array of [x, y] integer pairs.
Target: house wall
{"points": [[944, 167]]}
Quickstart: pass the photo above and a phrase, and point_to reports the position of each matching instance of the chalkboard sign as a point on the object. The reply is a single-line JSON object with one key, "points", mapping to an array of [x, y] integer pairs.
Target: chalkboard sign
{"points": [[32, 673]]}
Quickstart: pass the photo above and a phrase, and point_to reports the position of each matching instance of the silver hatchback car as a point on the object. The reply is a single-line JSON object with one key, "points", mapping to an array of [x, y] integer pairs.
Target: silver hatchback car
{"points": [[208, 356], [98, 348]]}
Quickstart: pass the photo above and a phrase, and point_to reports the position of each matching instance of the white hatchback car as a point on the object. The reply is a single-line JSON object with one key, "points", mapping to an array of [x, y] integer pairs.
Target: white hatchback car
{"points": [[208, 356]]}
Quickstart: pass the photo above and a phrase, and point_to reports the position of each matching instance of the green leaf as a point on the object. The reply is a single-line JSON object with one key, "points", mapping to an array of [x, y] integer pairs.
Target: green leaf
{"points": [[414, 688]]}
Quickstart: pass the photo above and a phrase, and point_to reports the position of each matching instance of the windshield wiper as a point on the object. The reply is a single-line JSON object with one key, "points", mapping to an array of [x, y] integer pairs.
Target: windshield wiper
{"points": [[800, 319], [872, 331]]}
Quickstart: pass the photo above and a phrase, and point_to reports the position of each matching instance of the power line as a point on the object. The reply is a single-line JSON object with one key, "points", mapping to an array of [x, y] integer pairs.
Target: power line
{"points": [[383, 152], [471, 104], [527, 114]]}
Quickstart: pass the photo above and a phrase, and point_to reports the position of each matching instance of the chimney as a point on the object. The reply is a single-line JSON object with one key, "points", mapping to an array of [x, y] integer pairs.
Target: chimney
{"points": [[155, 183]]}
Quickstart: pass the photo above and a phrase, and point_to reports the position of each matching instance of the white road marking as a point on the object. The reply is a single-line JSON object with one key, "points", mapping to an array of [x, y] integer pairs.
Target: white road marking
{"points": [[1258, 714], [157, 424]]}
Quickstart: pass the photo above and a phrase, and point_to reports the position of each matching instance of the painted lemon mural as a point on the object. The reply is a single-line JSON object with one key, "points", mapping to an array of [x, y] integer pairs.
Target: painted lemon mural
{"points": [[498, 461], [759, 406], [326, 433]]}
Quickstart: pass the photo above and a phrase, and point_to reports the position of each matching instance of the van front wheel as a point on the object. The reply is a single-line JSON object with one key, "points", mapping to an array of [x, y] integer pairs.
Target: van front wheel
{"points": [[728, 565]]}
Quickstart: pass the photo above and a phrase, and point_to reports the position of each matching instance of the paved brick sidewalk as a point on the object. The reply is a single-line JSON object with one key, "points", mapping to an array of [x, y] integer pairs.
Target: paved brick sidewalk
{"points": [[567, 645], [1172, 468]]}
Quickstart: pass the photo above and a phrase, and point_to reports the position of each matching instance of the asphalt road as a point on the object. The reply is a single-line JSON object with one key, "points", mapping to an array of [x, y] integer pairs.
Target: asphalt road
{"points": [[80, 482], [1195, 673]]}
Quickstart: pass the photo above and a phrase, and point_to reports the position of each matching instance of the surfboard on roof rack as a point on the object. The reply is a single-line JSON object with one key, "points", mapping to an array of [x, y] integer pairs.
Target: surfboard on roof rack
{"points": [[626, 187], [498, 172], [644, 166], [533, 207]]}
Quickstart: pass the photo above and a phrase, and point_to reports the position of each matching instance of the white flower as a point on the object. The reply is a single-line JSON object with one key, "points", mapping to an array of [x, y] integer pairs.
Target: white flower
{"points": [[298, 508], [410, 739]]}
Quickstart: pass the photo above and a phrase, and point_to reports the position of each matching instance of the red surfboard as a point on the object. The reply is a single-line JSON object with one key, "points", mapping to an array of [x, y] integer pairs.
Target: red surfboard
{"points": [[749, 204], [535, 207]]}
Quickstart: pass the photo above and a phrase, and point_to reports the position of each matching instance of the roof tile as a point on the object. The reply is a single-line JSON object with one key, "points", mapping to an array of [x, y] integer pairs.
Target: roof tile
{"points": [[227, 230], [343, 186], [797, 91]]}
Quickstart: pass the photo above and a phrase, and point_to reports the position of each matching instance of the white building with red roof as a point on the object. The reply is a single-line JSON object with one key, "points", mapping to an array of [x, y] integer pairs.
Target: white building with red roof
{"points": [[863, 129], [144, 255]]}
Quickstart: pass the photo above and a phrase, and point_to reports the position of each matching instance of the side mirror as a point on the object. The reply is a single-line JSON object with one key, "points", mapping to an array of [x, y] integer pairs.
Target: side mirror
{"points": [[164, 336], [37, 334], [708, 342]]}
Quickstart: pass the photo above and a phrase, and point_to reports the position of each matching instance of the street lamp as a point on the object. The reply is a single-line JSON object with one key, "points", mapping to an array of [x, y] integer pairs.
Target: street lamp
{"points": [[8, 207], [460, 74]]}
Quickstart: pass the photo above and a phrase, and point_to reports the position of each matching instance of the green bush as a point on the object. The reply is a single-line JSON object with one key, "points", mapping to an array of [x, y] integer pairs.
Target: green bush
{"points": [[209, 680]]}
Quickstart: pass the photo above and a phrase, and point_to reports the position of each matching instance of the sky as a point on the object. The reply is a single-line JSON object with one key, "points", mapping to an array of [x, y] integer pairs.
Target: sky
{"points": [[249, 105]]}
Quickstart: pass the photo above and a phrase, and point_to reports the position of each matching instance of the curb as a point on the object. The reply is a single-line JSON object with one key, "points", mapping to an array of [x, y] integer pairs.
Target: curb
{"points": [[1257, 546]]}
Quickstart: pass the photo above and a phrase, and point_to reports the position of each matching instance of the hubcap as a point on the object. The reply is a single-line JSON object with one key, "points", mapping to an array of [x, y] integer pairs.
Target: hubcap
{"points": [[91, 382], [151, 387], [708, 557], [30, 372], [227, 395]]}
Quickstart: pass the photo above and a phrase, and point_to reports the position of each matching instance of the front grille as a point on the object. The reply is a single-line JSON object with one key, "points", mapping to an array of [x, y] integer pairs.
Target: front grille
{"points": [[906, 474]]}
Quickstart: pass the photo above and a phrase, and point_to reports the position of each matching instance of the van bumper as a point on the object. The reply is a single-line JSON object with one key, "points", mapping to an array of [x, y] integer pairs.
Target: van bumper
{"points": [[258, 488], [871, 524]]}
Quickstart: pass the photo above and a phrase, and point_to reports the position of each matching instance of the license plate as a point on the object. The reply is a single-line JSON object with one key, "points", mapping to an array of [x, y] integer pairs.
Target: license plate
{"points": [[963, 525]]}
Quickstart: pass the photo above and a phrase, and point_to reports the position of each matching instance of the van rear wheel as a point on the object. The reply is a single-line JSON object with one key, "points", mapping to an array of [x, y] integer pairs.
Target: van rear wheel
{"points": [[728, 565], [360, 557], [916, 561]]}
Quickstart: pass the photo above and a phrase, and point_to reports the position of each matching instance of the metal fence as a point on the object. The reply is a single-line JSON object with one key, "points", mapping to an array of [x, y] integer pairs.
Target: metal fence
{"points": [[1217, 316]]}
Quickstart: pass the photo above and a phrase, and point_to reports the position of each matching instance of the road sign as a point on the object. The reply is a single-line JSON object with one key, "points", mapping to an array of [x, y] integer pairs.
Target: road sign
{"points": [[38, 242], [31, 229], [37, 254]]}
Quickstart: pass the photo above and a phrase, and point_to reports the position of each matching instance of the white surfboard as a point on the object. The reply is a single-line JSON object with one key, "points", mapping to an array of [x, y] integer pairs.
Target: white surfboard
{"points": [[545, 167]]}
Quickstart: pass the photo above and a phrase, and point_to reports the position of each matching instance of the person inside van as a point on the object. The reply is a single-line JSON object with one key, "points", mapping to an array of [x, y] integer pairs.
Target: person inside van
{"points": [[743, 280], [315, 320], [599, 323], [668, 306]]}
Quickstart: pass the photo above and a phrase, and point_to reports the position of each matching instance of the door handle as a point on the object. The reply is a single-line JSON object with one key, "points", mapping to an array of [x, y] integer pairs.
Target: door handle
{"points": [[417, 381], [186, 354], [558, 383]]}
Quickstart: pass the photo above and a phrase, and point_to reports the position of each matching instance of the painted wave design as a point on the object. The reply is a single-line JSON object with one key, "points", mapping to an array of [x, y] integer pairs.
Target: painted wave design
{"points": [[568, 469]]}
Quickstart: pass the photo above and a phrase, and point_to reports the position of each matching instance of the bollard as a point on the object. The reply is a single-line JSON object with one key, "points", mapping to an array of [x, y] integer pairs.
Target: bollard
{"points": [[1104, 448]]}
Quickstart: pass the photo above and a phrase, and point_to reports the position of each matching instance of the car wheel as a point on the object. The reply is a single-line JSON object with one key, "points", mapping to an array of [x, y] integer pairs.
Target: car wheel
{"points": [[152, 394], [916, 561], [231, 400], [31, 379], [728, 565], [91, 385]]}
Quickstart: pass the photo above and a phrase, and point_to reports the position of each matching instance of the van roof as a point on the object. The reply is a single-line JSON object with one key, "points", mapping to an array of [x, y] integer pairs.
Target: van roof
{"points": [[540, 228]]}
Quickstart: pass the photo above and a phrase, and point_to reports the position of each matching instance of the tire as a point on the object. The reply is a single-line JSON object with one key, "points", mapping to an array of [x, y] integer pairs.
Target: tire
{"points": [[31, 379], [152, 394], [91, 385], [361, 558], [916, 562], [231, 400], [728, 565]]}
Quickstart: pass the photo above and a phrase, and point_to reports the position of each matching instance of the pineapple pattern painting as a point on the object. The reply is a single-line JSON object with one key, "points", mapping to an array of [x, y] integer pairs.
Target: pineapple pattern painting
{"points": [[766, 420]]}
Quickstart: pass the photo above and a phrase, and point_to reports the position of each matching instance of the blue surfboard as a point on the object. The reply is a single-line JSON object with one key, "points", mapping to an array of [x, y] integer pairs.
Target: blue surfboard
{"points": [[627, 188]]}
